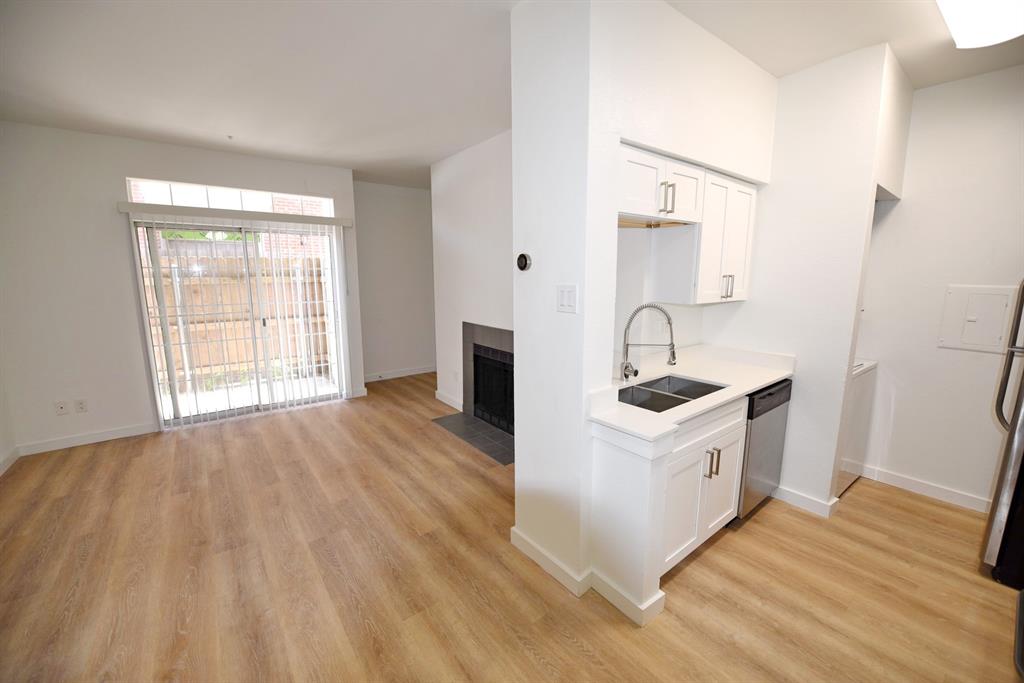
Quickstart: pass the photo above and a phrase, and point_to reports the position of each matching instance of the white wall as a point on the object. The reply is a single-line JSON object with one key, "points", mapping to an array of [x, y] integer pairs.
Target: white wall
{"points": [[813, 222], [961, 221], [70, 308], [893, 127], [632, 288], [396, 279], [663, 81], [550, 143], [7, 446], [471, 202]]}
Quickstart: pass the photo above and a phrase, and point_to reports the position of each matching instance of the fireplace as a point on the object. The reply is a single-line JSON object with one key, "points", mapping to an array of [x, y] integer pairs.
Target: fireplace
{"points": [[492, 387]]}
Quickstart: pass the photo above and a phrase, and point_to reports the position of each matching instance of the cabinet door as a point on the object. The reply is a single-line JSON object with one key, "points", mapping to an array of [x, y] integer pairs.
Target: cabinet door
{"points": [[682, 524], [684, 193], [640, 177], [720, 494], [738, 238], [710, 285]]}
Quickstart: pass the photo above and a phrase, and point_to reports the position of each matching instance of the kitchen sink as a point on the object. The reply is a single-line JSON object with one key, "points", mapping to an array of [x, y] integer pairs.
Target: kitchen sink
{"points": [[663, 393], [689, 389], [650, 400]]}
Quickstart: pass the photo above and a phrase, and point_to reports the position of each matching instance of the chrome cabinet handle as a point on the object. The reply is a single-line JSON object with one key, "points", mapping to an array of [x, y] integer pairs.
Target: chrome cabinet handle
{"points": [[673, 209], [732, 285], [718, 460], [725, 287], [710, 473], [664, 197]]}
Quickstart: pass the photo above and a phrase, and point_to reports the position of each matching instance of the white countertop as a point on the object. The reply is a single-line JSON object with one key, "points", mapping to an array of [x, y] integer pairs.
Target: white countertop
{"points": [[742, 372]]}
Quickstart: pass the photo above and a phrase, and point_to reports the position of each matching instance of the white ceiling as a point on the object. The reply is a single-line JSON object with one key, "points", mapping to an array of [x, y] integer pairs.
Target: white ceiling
{"points": [[784, 36], [385, 88]]}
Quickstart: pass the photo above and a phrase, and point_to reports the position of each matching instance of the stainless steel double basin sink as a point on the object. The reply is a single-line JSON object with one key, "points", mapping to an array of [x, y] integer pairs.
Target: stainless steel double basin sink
{"points": [[663, 393]]}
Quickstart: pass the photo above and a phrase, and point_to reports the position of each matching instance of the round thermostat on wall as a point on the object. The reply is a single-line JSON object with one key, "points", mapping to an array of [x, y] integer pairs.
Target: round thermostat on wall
{"points": [[523, 261]]}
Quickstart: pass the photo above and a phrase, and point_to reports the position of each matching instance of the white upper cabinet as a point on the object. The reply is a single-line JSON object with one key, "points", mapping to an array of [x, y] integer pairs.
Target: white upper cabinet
{"points": [[684, 190], [738, 240], [658, 188], [711, 262], [640, 179], [725, 242]]}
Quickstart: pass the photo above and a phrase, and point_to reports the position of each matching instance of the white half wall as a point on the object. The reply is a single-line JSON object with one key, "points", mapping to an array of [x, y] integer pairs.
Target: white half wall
{"points": [[961, 221], [814, 222], [396, 279], [471, 203], [70, 310]]}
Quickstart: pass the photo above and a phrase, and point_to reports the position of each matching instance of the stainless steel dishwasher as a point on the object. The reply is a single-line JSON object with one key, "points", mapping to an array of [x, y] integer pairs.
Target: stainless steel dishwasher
{"points": [[767, 412]]}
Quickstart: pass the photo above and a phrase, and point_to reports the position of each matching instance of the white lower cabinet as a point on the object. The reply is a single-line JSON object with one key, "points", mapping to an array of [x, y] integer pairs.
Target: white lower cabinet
{"points": [[683, 524], [655, 502], [701, 493]]}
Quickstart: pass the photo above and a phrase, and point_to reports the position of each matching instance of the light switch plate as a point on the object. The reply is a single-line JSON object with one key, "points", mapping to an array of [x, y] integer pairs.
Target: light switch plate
{"points": [[976, 318], [566, 297]]}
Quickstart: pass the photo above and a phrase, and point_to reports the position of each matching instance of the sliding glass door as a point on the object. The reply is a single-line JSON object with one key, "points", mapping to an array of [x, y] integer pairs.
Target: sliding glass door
{"points": [[239, 318]]}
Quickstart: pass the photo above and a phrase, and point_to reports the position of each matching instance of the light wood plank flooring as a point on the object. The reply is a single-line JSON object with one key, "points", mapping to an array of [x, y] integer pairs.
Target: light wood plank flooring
{"points": [[359, 541]]}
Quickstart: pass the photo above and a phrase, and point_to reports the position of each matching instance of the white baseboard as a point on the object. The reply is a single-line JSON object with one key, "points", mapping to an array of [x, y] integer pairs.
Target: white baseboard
{"points": [[868, 471], [576, 583], [82, 439], [641, 614], [356, 393], [805, 502], [392, 374], [450, 400], [927, 488], [8, 459]]}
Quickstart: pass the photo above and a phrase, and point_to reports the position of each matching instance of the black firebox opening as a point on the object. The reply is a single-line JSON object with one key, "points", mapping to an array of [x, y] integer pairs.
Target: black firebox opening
{"points": [[492, 387]]}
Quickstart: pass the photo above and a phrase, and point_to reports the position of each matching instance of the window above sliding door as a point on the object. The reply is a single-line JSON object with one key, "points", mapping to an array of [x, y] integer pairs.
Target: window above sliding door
{"points": [[172, 193]]}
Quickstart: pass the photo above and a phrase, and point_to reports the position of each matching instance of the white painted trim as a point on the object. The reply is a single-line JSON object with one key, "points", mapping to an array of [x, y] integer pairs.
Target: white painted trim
{"points": [[450, 400], [805, 502], [82, 439], [577, 584], [867, 471], [392, 374], [143, 212], [927, 488], [8, 460], [355, 393], [641, 614]]}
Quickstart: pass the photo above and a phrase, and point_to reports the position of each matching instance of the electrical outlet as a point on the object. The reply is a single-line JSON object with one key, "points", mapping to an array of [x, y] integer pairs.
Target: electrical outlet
{"points": [[81, 405], [60, 407]]}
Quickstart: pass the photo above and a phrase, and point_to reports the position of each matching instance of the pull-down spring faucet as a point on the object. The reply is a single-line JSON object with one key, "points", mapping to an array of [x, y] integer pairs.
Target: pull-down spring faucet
{"points": [[628, 371]]}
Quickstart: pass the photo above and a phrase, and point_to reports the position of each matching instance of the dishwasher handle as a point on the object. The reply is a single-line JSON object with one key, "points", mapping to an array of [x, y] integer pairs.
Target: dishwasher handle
{"points": [[769, 398]]}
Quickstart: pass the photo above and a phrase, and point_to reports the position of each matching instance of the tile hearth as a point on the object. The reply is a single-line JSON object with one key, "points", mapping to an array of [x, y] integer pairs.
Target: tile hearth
{"points": [[481, 435]]}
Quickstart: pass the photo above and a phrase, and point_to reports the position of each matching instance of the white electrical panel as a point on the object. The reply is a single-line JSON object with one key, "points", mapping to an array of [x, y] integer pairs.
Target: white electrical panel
{"points": [[976, 318]]}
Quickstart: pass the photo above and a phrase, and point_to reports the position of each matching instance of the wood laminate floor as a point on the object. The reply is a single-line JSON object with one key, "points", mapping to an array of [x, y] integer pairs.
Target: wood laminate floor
{"points": [[360, 541]]}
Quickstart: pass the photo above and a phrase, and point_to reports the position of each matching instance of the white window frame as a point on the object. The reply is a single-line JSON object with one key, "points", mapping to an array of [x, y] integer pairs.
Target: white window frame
{"points": [[163, 213]]}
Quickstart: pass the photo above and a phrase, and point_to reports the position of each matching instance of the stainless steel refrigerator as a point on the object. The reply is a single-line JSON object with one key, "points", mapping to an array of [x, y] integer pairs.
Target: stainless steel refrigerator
{"points": [[1003, 551]]}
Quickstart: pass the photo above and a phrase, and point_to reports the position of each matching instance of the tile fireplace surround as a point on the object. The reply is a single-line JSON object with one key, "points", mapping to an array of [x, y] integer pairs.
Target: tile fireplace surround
{"points": [[481, 435], [485, 336]]}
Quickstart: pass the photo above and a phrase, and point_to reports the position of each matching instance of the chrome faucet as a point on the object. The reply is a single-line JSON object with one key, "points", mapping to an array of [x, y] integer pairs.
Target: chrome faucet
{"points": [[628, 371]]}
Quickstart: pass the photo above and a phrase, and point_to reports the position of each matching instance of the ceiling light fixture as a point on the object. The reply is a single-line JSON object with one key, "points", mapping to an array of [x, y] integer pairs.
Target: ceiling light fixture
{"points": [[980, 23]]}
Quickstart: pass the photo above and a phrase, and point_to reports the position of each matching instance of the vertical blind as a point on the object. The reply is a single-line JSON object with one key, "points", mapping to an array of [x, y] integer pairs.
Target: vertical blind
{"points": [[241, 315]]}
